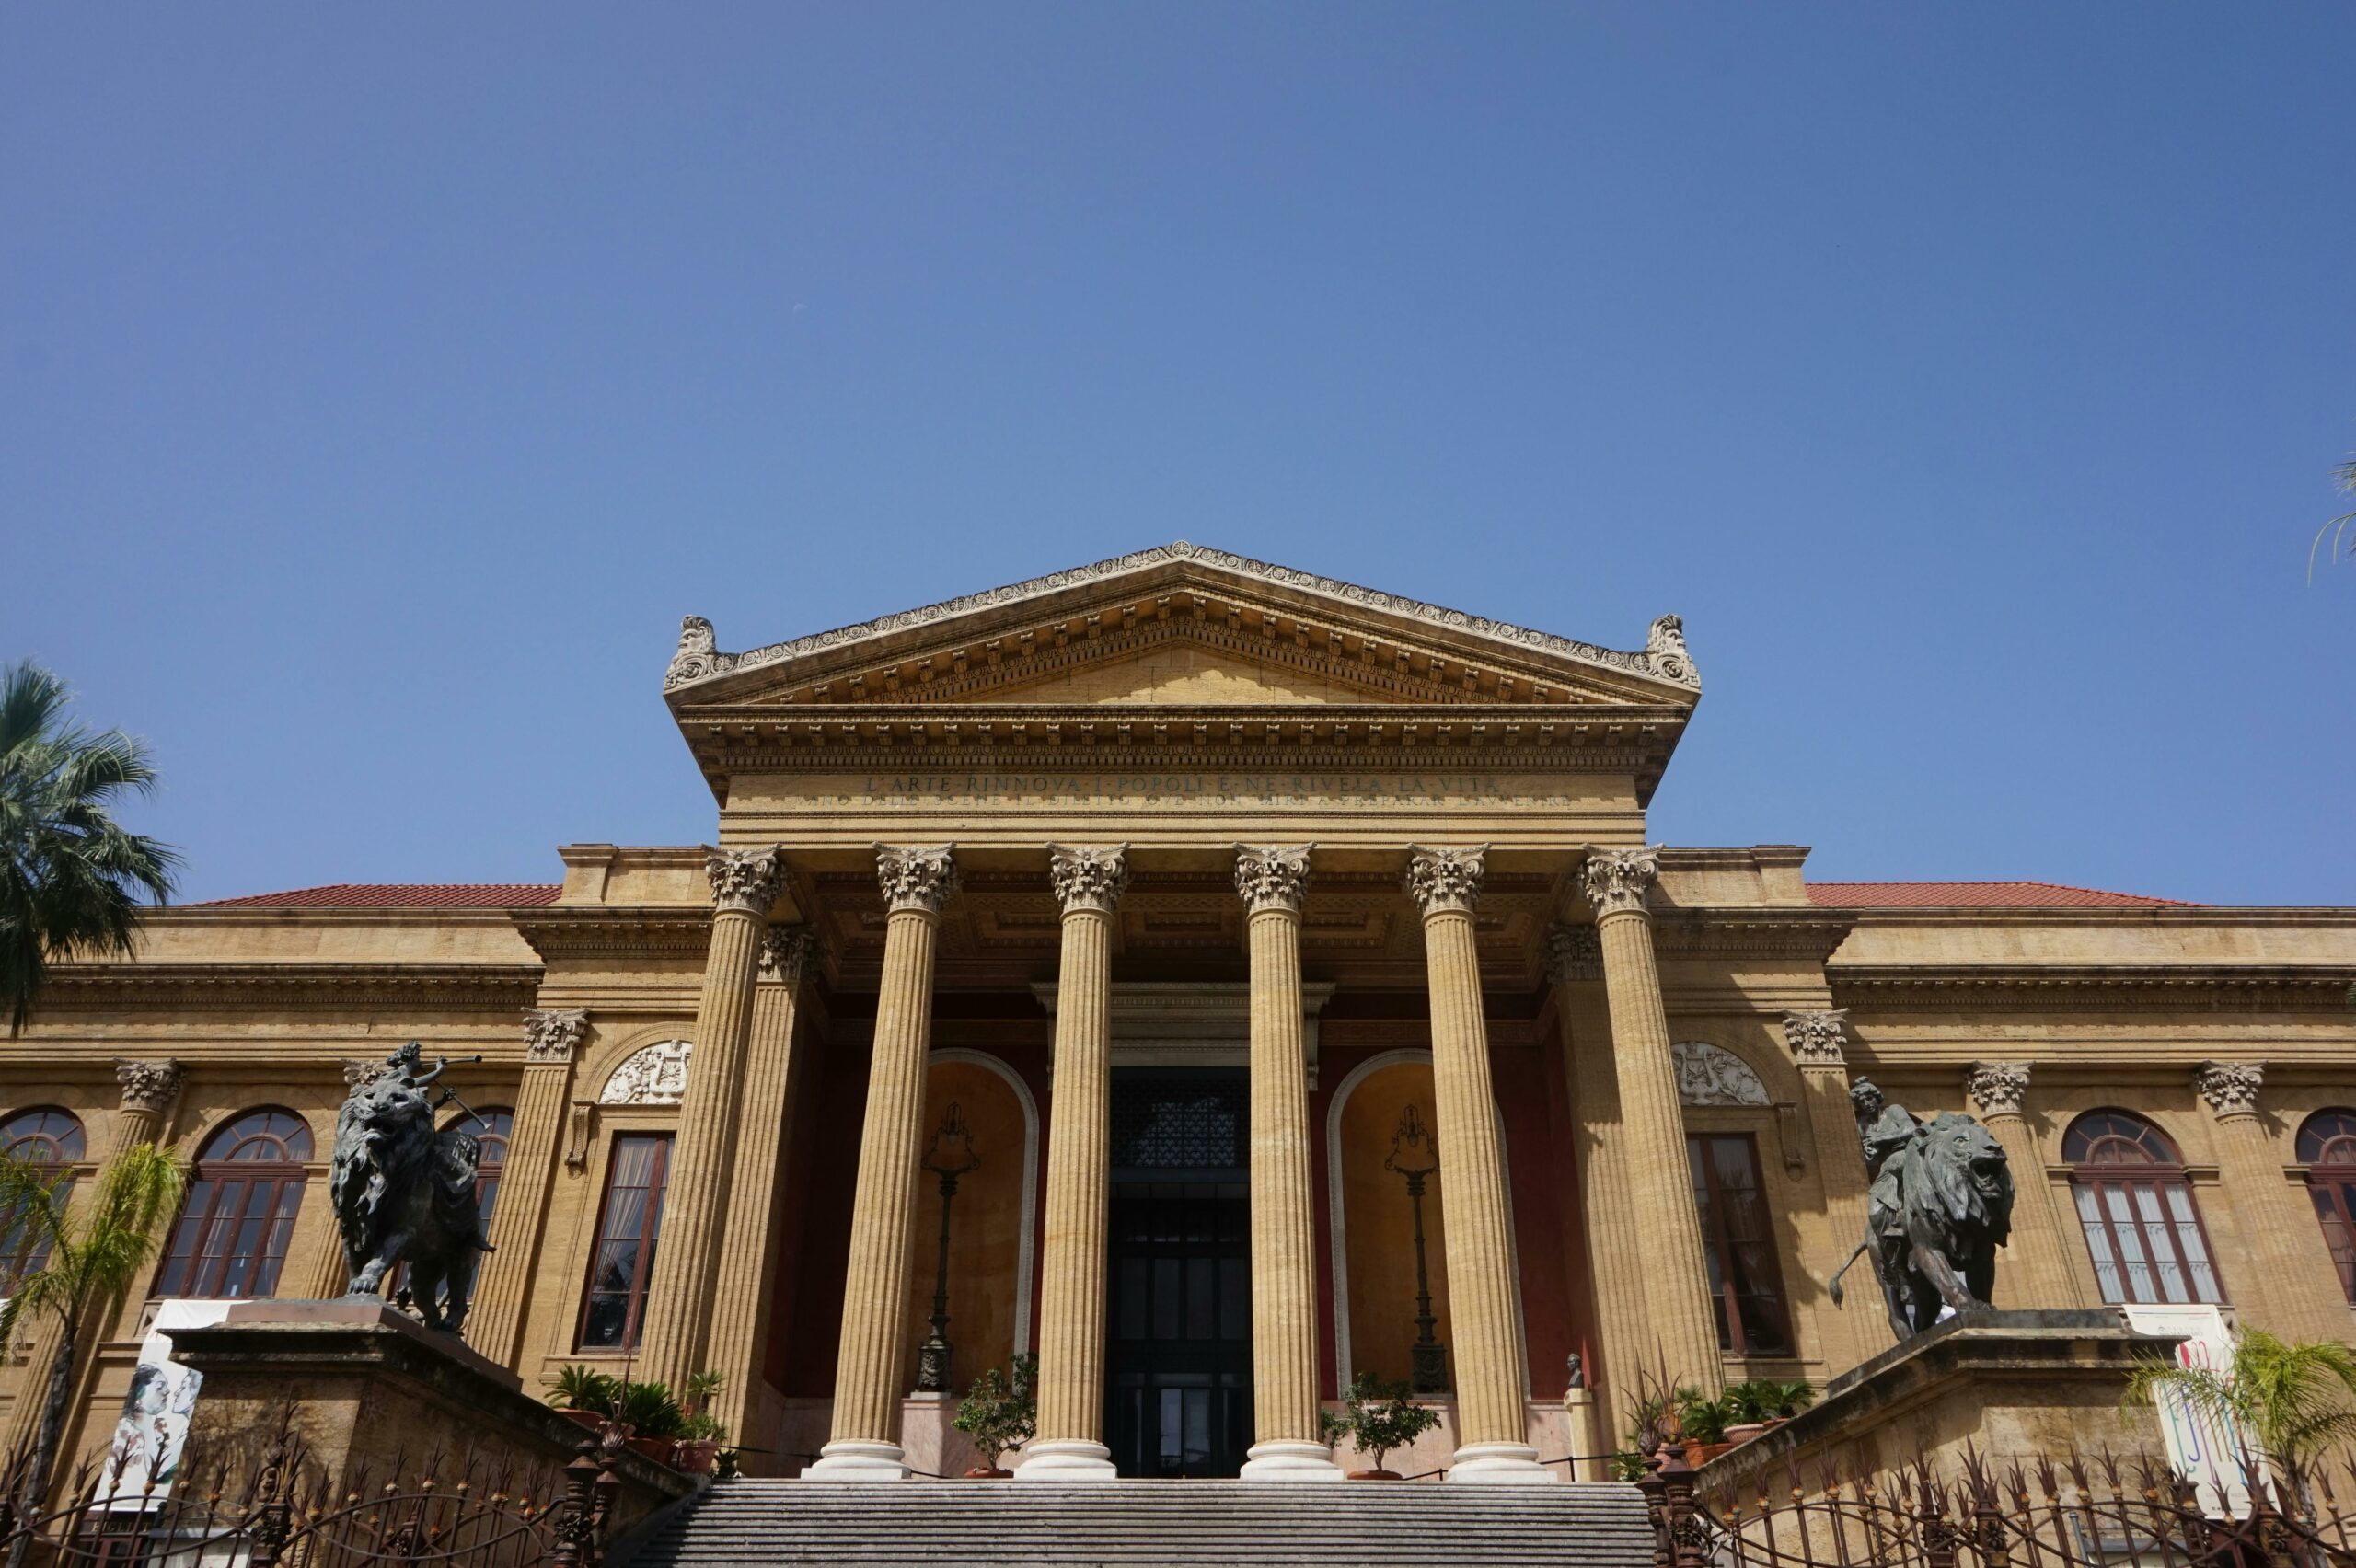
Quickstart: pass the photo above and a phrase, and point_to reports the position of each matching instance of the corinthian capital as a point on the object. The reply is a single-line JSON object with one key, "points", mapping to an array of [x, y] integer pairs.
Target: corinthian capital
{"points": [[1445, 881], [150, 1086], [1615, 881], [745, 879], [785, 950], [1573, 953], [2230, 1087], [922, 880], [553, 1034], [1088, 879], [1997, 1089], [1271, 878], [1816, 1038]]}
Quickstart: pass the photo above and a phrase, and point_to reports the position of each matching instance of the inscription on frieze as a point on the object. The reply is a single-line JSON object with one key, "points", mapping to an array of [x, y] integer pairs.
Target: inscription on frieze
{"points": [[1180, 788]]}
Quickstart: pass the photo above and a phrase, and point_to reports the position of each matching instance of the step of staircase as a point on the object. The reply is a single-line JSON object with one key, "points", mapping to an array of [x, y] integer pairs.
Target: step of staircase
{"points": [[1150, 1524]]}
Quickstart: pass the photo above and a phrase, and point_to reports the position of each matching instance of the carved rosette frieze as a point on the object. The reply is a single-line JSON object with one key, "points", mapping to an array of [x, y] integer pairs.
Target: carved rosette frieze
{"points": [[1088, 879], [1445, 881], [1997, 1089], [922, 880], [786, 951], [553, 1034], [2230, 1087], [1573, 953], [1817, 1038], [148, 1086], [358, 1074], [747, 881], [1615, 881], [1271, 878]]}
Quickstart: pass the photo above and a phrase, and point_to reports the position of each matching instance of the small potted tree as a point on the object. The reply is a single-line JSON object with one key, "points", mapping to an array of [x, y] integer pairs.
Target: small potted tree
{"points": [[583, 1395], [700, 1432], [651, 1415], [1000, 1414], [1380, 1417], [1702, 1424]]}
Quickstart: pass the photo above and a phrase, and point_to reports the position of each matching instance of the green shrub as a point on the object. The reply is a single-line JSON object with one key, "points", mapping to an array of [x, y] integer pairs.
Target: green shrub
{"points": [[648, 1409], [1380, 1417], [1000, 1412], [576, 1386]]}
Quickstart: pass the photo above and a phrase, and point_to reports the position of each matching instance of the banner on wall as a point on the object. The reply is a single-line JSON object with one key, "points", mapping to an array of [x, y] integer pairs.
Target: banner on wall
{"points": [[153, 1429], [2203, 1447]]}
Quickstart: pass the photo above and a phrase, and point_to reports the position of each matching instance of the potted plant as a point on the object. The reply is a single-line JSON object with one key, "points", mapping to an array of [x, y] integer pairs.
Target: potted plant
{"points": [[999, 1414], [651, 1415], [1380, 1417], [700, 1432], [1749, 1408], [583, 1395], [1785, 1401], [1655, 1423], [1703, 1422]]}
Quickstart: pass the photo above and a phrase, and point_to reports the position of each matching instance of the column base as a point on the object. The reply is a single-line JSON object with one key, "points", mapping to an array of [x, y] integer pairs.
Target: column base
{"points": [[853, 1460], [1509, 1463], [1067, 1460], [1292, 1461]]}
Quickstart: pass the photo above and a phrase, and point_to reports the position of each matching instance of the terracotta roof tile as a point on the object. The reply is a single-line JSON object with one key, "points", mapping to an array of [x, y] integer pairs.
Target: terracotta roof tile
{"points": [[396, 896], [1977, 895]]}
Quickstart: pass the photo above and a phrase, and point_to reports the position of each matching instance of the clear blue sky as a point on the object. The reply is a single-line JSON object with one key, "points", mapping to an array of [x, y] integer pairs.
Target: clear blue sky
{"points": [[378, 386]]}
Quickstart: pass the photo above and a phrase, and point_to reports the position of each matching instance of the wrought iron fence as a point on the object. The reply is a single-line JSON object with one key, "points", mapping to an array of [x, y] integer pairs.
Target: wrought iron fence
{"points": [[2099, 1513], [285, 1512]]}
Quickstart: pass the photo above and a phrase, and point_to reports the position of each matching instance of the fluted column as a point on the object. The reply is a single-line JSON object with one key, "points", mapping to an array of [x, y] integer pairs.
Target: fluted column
{"points": [[2277, 1271], [744, 883], [744, 1280], [1614, 1240], [1070, 1445], [552, 1038], [866, 1441], [2034, 1272], [1288, 1441], [1660, 1182], [1491, 1368], [1818, 1043]]}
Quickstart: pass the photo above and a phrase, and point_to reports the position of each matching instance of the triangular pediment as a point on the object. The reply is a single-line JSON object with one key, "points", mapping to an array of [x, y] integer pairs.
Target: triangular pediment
{"points": [[1181, 627]]}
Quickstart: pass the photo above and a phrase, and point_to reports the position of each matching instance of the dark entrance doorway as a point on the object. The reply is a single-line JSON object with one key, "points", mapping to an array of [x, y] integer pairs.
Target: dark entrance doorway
{"points": [[1178, 1372]]}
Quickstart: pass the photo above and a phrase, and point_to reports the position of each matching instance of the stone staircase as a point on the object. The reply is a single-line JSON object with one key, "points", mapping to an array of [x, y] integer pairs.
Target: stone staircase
{"points": [[1147, 1524]]}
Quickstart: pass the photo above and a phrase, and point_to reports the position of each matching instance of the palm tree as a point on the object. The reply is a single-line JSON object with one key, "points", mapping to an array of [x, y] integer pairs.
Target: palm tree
{"points": [[70, 876], [2344, 479], [85, 1260], [2290, 1402]]}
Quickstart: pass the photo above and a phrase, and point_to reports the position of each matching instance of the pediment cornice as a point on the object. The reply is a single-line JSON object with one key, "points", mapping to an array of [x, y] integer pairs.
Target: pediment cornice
{"points": [[1389, 647]]}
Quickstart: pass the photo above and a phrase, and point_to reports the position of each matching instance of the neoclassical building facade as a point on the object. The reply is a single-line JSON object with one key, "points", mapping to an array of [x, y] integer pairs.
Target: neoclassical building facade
{"points": [[1219, 981]]}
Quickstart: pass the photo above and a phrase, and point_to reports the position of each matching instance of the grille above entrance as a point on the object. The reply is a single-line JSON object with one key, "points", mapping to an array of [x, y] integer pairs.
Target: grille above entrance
{"points": [[1192, 1025]]}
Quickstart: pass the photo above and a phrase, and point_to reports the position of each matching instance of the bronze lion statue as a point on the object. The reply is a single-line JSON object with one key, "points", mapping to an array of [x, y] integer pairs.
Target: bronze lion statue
{"points": [[405, 1194], [1940, 1204]]}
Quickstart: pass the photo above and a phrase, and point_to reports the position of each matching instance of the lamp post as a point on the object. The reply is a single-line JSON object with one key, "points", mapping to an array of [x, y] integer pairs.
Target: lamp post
{"points": [[950, 1156], [1414, 1154]]}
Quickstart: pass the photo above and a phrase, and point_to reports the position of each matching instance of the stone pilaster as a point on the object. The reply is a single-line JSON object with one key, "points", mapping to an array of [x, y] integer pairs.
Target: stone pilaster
{"points": [[744, 1283], [2034, 1272], [865, 1444], [2266, 1280], [1492, 1372], [150, 1089], [1288, 1444], [744, 883], [1818, 1043], [552, 1038], [1070, 1445], [1614, 1240], [1660, 1182]]}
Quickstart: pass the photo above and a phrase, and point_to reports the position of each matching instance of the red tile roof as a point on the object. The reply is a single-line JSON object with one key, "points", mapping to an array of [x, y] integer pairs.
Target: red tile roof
{"points": [[397, 895], [1978, 896]]}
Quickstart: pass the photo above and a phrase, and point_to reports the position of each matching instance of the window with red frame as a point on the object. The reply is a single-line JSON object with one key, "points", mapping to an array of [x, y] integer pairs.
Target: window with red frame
{"points": [[51, 1141], [629, 1220], [2327, 1149], [2142, 1226], [1746, 1286], [231, 1238]]}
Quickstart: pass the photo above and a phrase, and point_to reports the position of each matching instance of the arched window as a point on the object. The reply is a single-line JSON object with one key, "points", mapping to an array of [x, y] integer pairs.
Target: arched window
{"points": [[232, 1235], [2137, 1210], [50, 1139], [2327, 1149]]}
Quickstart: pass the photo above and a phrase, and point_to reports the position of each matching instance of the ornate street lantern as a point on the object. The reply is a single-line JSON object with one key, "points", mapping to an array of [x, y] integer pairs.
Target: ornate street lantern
{"points": [[1414, 1154], [950, 1156]]}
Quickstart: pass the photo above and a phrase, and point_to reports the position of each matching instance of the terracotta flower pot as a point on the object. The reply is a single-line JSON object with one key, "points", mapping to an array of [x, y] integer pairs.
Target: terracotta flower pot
{"points": [[1744, 1431], [1376, 1475], [695, 1455], [594, 1420], [655, 1449], [986, 1472]]}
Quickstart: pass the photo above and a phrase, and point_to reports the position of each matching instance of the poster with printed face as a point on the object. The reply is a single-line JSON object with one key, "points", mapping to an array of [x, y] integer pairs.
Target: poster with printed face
{"points": [[2203, 1447], [148, 1437]]}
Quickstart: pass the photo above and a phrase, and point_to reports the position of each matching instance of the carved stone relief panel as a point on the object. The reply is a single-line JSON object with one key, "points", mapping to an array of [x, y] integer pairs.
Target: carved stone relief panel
{"points": [[651, 1075], [1712, 1075]]}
